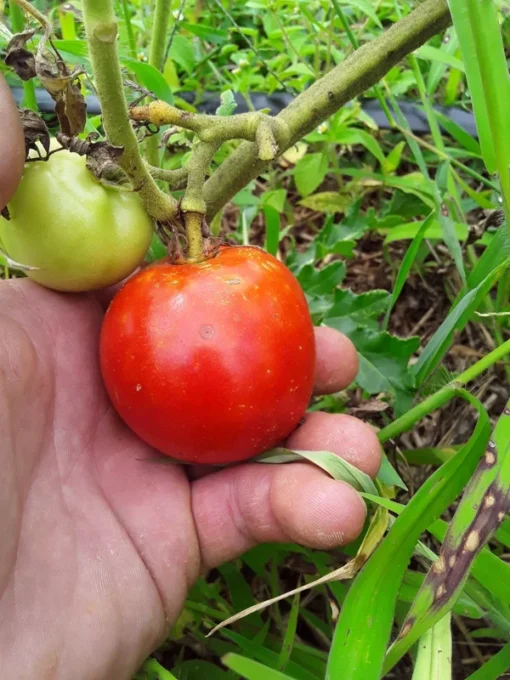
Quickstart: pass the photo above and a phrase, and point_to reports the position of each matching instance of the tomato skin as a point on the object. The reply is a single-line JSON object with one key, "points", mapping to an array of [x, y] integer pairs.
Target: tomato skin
{"points": [[81, 234], [212, 362]]}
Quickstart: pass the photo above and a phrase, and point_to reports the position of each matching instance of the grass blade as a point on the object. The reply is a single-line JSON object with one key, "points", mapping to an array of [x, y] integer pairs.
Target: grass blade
{"points": [[252, 670], [495, 667], [434, 659], [457, 319], [370, 602]]}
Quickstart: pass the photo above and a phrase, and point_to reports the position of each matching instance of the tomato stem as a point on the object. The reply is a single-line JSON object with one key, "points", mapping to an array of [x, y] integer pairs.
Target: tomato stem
{"points": [[102, 36], [193, 222]]}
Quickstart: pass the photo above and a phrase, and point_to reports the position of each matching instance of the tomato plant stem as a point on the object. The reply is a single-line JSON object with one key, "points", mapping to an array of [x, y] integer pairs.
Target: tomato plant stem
{"points": [[439, 398], [193, 222], [360, 71], [101, 28], [157, 59]]}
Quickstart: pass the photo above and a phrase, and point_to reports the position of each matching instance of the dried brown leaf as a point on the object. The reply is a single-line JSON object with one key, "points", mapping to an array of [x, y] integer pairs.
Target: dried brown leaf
{"points": [[21, 60], [35, 130]]}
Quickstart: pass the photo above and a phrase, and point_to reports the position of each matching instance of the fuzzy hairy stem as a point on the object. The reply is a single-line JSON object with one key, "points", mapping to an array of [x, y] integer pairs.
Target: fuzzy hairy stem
{"points": [[270, 134], [193, 205], [360, 71], [101, 29], [176, 179], [157, 59]]}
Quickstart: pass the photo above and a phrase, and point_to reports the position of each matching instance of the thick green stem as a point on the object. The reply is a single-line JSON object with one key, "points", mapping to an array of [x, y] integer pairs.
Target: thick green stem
{"points": [[156, 58], [360, 71], [193, 205], [435, 401], [18, 24], [101, 29], [270, 134]]}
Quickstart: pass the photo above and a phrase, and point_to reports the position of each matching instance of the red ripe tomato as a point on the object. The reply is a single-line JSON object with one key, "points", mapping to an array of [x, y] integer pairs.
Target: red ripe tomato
{"points": [[210, 362]]}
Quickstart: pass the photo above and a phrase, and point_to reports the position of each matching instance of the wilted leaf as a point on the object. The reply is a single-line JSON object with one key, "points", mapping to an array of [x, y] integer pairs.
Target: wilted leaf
{"points": [[101, 156], [21, 60], [369, 407], [34, 130], [59, 82]]}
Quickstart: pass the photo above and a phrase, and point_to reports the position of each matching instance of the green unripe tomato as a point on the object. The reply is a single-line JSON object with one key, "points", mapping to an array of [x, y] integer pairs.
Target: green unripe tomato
{"points": [[80, 234]]}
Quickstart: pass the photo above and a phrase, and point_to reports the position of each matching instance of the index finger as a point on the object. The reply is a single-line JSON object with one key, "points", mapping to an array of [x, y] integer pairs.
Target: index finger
{"points": [[12, 143]]}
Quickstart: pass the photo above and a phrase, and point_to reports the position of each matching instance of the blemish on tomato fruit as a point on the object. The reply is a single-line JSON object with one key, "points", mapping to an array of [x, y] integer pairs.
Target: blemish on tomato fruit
{"points": [[234, 282], [207, 332], [138, 387]]}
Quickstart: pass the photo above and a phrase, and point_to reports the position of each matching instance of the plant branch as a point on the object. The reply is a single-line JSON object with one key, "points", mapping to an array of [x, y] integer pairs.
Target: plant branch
{"points": [[101, 29], [360, 71], [176, 179], [193, 205], [157, 59], [270, 134]]}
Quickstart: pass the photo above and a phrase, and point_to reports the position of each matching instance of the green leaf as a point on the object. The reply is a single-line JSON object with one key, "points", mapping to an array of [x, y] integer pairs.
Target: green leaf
{"points": [[309, 172], [275, 198], [228, 104], [272, 218], [152, 670], [459, 134], [366, 8], [321, 281], [348, 135], [327, 201], [429, 53], [433, 231], [252, 670], [150, 78], [349, 310], [336, 467], [197, 669], [434, 658], [206, 32], [366, 618], [182, 53], [384, 361], [406, 265], [456, 320], [495, 667]]}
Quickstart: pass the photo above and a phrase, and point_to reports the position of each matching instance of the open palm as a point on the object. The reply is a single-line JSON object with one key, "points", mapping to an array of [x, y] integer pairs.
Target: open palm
{"points": [[100, 540]]}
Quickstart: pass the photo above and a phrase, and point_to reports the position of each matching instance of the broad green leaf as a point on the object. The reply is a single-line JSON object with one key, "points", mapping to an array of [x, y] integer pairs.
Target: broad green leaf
{"points": [[206, 32], [150, 78], [366, 618], [456, 320], [327, 201], [252, 670], [384, 361], [321, 281], [309, 172], [182, 53], [349, 310], [348, 135]]}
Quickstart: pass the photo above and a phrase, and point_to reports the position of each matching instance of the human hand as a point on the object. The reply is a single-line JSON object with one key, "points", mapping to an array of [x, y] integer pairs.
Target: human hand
{"points": [[100, 543]]}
